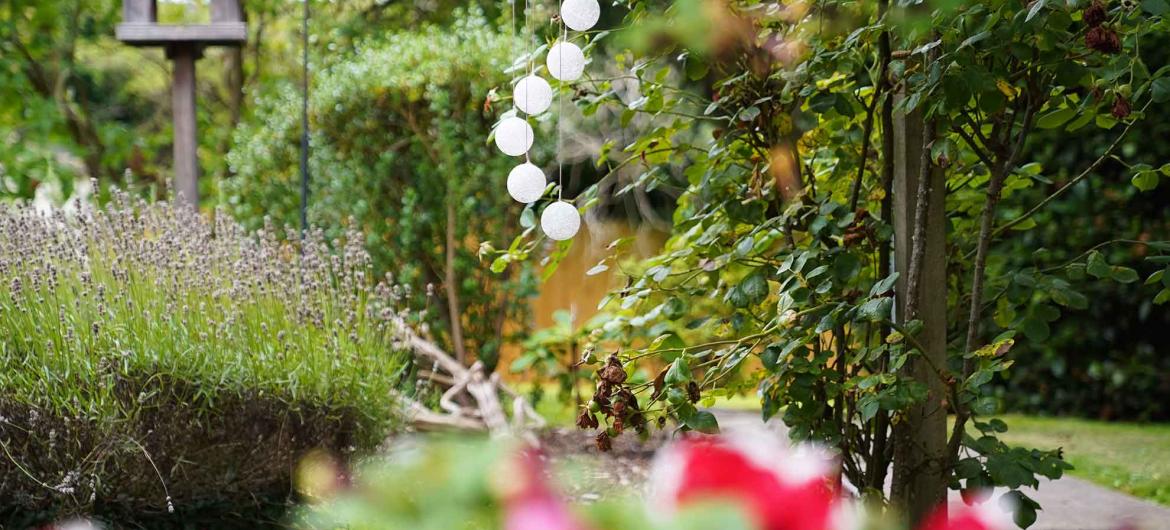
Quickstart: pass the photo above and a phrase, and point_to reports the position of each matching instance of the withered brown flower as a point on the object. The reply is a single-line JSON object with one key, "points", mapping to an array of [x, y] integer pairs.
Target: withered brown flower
{"points": [[613, 372], [1103, 39], [1120, 108], [586, 420], [693, 392], [1095, 14], [603, 442]]}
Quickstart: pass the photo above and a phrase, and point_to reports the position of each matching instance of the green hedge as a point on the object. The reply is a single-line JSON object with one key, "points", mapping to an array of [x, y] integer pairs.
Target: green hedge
{"points": [[399, 141]]}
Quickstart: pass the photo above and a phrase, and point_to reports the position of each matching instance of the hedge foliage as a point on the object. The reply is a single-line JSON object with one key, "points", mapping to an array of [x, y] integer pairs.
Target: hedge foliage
{"points": [[399, 135]]}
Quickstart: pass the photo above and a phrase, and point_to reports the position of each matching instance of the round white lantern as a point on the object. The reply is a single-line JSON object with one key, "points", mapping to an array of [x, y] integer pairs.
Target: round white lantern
{"points": [[560, 221], [565, 61], [532, 95], [580, 15], [514, 136], [526, 183]]}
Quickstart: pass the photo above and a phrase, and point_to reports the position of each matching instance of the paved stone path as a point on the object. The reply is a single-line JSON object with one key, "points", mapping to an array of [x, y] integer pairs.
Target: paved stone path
{"points": [[1068, 504]]}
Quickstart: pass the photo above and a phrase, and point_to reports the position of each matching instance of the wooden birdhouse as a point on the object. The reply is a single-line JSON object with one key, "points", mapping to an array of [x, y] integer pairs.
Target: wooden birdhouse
{"points": [[184, 45]]}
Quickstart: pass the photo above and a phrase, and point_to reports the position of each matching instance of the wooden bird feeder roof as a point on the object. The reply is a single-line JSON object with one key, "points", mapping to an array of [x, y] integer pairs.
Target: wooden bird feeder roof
{"points": [[140, 26]]}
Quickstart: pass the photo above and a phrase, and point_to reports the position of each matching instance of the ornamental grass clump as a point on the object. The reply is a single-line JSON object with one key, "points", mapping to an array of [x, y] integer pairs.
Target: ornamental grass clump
{"points": [[153, 361]]}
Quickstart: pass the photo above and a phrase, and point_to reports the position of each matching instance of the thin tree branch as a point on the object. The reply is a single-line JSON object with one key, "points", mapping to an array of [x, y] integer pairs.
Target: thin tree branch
{"points": [[1093, 166]]}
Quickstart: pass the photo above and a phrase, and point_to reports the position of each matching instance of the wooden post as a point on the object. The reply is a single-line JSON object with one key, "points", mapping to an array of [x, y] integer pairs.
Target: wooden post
{"points": [[184, 44], [226, 11], [139, 11], [919, 481], [186, 184]]}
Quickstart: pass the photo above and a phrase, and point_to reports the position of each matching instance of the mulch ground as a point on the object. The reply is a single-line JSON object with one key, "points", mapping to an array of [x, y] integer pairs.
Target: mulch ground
{"points": [[587, 474]]}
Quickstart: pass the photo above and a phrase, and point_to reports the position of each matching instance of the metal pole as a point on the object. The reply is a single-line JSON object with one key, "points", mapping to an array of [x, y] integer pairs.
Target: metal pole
{"points": [[305, 120]]}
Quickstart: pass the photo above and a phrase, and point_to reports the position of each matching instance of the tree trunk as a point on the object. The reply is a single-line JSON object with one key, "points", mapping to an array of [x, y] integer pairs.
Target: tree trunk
{"points": [[919, 481], [451, 285]]}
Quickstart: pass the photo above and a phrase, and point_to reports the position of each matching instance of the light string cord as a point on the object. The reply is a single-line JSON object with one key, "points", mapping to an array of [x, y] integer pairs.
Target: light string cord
{"points": [[531, 38], [561, 114]]}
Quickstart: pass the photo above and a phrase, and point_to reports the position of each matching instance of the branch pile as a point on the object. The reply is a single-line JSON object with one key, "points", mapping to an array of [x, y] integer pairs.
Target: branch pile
{"points": [[470, 399]]}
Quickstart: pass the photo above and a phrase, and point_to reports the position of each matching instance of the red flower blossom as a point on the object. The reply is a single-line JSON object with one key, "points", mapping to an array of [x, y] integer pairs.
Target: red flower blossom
{"points": [[779, 491]]}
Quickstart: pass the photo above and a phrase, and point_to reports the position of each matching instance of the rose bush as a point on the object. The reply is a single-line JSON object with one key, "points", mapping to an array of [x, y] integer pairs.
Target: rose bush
{"points": [[702, 482]]}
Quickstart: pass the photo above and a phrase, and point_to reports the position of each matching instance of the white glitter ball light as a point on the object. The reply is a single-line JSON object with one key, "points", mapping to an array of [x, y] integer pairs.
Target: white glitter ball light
{"points": [[526, 183], [565, 61], [532, 95], [514, 136], [580, 15], [560, 221]]}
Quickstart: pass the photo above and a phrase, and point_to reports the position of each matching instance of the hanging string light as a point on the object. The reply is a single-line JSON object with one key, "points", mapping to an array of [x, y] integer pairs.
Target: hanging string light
{"points": [[566, 61], [580, 15], [532, 95], [526, 183], [560, 221], [514, 136]]}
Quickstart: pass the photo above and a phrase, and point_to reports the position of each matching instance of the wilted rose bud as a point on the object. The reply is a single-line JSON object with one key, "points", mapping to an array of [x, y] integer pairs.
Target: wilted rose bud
{"points": [[603, 442], [613, 372], [1095, 14], [1103, 40], [586, 420], [1120, 108]]}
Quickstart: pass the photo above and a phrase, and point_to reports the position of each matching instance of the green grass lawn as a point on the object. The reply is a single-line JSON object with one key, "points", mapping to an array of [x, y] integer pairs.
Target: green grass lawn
{"points": [[1131, 457]]}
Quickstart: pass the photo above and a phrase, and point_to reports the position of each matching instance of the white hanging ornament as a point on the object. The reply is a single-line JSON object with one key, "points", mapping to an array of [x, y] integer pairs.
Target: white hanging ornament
{"points": [[560, 221], [514, 136], [526, 183], [532, 95], [580, 15], [565, 61]]}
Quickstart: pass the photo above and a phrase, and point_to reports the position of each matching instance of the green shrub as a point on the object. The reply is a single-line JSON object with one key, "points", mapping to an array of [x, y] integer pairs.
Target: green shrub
{"points": [[154, 361], [399, 143]]}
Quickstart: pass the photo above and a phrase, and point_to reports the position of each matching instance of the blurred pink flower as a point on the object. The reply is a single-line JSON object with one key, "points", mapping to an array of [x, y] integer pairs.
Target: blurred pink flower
{"points": [[983, 516], [530, 502], [780, 489]]}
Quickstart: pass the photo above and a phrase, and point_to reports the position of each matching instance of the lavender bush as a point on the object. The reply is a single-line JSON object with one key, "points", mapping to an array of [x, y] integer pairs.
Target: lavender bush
{"points": [[153, 361]]}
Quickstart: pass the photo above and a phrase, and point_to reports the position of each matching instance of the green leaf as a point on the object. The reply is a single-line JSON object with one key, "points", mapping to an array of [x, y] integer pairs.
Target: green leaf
{"points": [[1163, 296], [703, 422], [1056, 118], [678, 373], [968, 468], [877, 309], [985, 405], [1097, 266], [1024, 508], [1006, 470], [527, 218], [1156, 7], [1036, 329], [1145, 180], [973, 39], [697, 68], [501, 263], [755, 288], [1160, 89], [1123, 274], [884, 285], [1035, 10], [674, 308]]}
